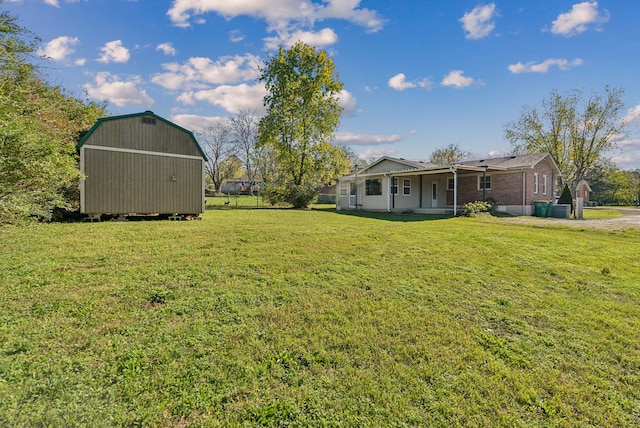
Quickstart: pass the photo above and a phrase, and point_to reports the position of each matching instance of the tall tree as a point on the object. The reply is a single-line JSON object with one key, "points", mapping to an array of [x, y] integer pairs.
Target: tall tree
{"points": [[448, 155], [244, 129], [576, 130], [353, 157], [40, 126], [218, 146], [302, 114]]}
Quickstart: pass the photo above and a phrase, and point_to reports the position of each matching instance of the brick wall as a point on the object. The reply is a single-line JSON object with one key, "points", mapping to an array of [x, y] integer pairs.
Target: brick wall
{"points": [[506, 186]]}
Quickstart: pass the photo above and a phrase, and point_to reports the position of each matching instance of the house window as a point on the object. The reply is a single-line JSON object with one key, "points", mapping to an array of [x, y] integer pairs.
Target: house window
{"points": [[450, 183], [544, 184], [373, 187], [394, 186], [344, 188], [484, 182], [535, 183], [434, 191], [149, 120], [406, 186]]}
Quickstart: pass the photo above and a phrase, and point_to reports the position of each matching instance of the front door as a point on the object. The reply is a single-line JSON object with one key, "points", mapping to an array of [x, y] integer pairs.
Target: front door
{"points": [[353, 194]]}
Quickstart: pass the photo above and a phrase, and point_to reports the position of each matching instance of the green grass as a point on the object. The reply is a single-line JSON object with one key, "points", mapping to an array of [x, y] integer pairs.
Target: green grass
{"points": [[601, 213], [277, 317], [235, 201]]}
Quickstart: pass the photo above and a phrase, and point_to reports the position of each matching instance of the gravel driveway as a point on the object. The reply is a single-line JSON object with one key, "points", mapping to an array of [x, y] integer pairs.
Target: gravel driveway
{"points": [[630, 219]]}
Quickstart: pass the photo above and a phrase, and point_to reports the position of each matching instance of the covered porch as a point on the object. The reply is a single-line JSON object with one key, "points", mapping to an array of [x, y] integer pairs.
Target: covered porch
{"points": [[423, 191]]}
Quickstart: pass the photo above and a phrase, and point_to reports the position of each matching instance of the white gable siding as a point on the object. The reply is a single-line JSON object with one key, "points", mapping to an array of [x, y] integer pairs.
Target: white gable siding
{"points": [[386, 166]]}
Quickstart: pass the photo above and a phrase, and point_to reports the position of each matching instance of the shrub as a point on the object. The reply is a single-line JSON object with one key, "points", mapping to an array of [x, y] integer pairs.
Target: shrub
{"points": [[566, 198], [300, 196], [471, 209]]}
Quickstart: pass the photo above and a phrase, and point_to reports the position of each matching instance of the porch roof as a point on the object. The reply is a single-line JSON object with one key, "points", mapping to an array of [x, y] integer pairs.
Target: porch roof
{"points": [[430, 170]]}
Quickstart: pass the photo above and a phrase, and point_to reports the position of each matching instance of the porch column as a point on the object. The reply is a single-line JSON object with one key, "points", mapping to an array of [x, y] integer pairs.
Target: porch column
{"points": [[484, 185], [421, 178], [455, 192], [392, 196]]}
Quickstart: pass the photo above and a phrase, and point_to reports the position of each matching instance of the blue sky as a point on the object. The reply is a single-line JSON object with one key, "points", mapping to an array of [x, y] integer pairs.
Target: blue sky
{"points": [[418, 75]]}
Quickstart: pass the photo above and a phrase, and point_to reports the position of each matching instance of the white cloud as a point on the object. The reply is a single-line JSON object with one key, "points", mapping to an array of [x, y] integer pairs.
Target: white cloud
{"points": [[543, 67], [199, 72], [399, 83], [354, 139], [348, 10], [196, 123], [372, 153], [233, 99], [633, 115], [324, 37], [630, 158], [490, 154], [80, 62], [456, 79], [278, 13], [109, 87], [425, 83], [236, 36], [54, 3], [114, 52], [578, 19], [167, 49], [348, 102], [479, 22], [59, 48]]}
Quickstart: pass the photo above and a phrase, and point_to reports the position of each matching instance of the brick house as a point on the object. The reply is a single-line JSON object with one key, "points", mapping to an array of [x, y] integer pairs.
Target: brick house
{"points": [[583, 190], [389, 184]]}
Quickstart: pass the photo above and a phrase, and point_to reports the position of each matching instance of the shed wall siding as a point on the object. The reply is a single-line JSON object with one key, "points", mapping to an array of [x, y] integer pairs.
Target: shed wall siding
{"points": [[122, 183], [131, 133]]}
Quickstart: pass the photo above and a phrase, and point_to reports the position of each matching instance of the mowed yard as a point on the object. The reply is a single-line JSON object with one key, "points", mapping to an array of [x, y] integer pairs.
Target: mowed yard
{"points": [[269, 317]]}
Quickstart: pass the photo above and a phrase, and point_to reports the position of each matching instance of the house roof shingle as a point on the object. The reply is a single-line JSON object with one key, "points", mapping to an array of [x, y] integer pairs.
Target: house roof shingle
{"points": [[503, 163], [509, 162]]}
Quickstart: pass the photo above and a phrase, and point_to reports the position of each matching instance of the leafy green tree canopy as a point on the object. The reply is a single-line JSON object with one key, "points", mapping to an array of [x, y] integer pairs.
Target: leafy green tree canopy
{"points": [[448, 155], [302, 114], [577, 130], [40, 127]]}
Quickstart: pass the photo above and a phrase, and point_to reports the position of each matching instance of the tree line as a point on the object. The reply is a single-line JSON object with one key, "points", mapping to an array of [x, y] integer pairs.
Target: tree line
{"points": [[40, 125]]}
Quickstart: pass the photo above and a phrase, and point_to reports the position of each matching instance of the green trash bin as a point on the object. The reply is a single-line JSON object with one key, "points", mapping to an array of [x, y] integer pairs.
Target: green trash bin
{"points": [[541, 208], [550, 209]]}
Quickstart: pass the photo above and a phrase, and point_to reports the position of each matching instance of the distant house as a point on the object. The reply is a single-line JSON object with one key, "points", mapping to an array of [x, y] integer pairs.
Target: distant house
{"points": [[140, 164], [583, 190], [327, 194], [389, 184]]}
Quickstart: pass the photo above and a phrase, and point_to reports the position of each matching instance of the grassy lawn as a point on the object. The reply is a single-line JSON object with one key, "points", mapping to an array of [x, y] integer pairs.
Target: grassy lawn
{"points": [[316, 318], [235, 201], [601, 213]]}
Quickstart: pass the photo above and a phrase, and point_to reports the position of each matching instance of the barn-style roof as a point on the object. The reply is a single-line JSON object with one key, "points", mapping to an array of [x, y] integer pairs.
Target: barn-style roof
{"points": [[145, 113]]}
